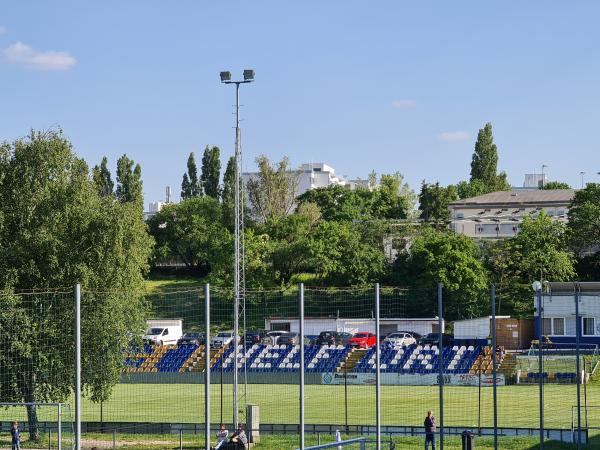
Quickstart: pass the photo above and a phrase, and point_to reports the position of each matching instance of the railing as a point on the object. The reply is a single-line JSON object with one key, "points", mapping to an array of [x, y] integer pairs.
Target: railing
{"points": [[361, 441]]}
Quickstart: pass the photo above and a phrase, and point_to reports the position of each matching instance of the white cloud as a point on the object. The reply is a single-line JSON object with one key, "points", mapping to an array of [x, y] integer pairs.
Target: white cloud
{"points": [[403, 104], [454, 136], [24, 55], [3, 29]]}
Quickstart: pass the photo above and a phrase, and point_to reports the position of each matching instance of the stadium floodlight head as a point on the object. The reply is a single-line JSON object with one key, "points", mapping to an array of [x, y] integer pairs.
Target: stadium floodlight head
{"points": [[225, 76], [248, 75], [537, 286]]}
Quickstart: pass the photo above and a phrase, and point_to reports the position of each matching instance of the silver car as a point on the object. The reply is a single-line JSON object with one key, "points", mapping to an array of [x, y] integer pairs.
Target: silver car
{"points": [[400, 338]]}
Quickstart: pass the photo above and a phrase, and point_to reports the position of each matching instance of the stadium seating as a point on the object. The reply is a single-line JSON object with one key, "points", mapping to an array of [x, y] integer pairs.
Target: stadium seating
{"points": [[417, 359]]}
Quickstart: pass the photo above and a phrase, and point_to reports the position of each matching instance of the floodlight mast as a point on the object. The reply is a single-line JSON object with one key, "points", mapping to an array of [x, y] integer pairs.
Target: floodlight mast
{"points": [[239, 282]]}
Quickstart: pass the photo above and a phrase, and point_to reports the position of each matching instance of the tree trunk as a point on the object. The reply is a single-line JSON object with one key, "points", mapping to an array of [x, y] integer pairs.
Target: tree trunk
{"points": [[32, 418]]}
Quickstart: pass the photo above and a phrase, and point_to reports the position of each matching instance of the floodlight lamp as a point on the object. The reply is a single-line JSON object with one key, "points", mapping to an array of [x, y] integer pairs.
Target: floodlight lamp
{"points": [[537, 286], [248, 75], [225, 76]]}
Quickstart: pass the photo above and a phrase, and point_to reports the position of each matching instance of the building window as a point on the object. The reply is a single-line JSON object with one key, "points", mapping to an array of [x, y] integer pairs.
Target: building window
{"points": [[560, 212], [460, 215], [558, 326], [588, 326], [547, 326]]}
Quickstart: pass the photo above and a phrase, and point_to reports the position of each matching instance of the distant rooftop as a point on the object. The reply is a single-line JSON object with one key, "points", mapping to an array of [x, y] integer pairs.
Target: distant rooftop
{"points": [[519, 197]]}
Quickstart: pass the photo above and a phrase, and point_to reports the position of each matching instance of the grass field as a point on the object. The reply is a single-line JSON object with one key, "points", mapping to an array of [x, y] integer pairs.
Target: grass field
{"points": [[401, 405]]}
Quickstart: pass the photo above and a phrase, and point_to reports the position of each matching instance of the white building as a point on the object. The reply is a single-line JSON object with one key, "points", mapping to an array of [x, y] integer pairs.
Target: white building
{"points": [[314, 176], [314, 326], [558, 313], [535, 180]]}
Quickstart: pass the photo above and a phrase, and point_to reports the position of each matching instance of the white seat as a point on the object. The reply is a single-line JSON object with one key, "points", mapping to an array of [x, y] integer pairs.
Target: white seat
{"points": [[225, 364], [286, 360], [267, 365], [253, 365], [427, 347], [455, 348], [413, 357], [319, 355], [471, 348], [427, 357], [383, 366], [340, 347], [296, 365], [429, 367], [289, 365], [311, 366], [325, 355], [261, 365], [434, 347], [275, 355], [463, 348], [282, 366], [394, 361], [419, 347], [421, 356]]}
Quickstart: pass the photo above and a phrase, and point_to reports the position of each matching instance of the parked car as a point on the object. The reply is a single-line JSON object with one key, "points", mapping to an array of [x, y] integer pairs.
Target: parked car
{"points": [[399, 338], [434, 339], [191, 338], [271, 338], [334, 338], [363, 340], [222, 338], [288, 339], [254, 336]]}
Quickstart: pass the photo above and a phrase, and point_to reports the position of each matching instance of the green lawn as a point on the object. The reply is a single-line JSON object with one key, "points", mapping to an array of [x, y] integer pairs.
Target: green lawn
{"points": [[401, 405]]}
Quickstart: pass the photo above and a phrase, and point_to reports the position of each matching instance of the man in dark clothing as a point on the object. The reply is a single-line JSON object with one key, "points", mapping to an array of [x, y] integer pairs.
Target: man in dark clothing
{"points": [[238, 439], [430, 426]]}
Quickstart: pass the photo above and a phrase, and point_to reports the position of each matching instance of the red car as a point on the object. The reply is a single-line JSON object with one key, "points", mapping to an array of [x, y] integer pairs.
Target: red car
{"points": [[363, 340]]}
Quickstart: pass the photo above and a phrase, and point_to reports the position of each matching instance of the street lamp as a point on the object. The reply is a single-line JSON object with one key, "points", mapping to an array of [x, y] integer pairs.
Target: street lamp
{"points": [[239, 283], [582, 174]]}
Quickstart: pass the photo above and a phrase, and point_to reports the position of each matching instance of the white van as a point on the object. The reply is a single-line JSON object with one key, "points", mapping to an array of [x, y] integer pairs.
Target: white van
{"points": [[163, 331]]}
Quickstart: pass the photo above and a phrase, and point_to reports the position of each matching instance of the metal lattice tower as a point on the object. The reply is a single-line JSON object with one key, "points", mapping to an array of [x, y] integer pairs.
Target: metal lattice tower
{"points": [[239, 279]]}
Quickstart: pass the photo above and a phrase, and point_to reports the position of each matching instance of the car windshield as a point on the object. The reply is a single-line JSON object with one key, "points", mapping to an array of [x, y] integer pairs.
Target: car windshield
{"points": [[396, 335], [154, 331], [361, 335], [326, 334], [289, 335]]}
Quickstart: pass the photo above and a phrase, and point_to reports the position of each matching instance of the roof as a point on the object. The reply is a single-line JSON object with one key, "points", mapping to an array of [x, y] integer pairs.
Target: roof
{"points": [[572, 287], [519, 197]]}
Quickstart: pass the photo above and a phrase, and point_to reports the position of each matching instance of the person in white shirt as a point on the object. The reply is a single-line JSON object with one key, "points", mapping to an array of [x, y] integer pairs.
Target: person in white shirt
{"points": [[221, 438]]}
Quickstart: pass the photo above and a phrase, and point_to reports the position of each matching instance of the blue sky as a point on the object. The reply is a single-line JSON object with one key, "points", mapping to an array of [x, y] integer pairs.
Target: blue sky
{"points": [[383, 85]]}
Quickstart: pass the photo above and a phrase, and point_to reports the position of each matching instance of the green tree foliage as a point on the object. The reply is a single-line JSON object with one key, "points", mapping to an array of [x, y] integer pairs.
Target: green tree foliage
{"points": [[584, 219], [228, 191], [451, 259], [484, 167], [211, 172], [556, 185], [194, 232], [272, 192], [102, 179], [344, 254], [129, 182], [56, 230], [434, 201], [190, 185], [393, 199]]}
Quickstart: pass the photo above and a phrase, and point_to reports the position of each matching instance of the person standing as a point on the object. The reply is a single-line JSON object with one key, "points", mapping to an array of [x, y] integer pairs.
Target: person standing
{"points": [[16, 436], [430, 427]]}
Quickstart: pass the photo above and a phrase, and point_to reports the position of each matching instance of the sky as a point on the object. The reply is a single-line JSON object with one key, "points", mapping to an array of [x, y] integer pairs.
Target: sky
{"points": [[381, 85]]}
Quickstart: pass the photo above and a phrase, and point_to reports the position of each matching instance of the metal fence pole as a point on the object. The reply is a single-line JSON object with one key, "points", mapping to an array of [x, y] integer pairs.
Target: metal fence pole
{"points": [[494, 367], [578, 367], [441, 361], [207, 367], [78, 367], [377, 372], [301, 339], [541, 364], [59, 424]]}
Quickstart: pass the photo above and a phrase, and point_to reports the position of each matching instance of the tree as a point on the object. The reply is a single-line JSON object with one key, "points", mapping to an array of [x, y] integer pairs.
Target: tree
{"points": [[434, 201], [58, 231], [102, 179], [584, 219], [343, 254], [211, 172], [228, 191], [451, 259], [393, 199], [468, 189], [556, 185], [272, 192], [194, 232], [129, 182], [484, 164], [190, 185]]}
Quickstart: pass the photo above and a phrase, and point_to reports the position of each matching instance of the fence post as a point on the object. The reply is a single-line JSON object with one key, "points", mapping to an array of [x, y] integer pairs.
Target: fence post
{"points": [[77, 367], [207, 367], [441, 361], [377, 372], [301, 339], [541, 363], [494, 367], [578, 368], [59, 424]]}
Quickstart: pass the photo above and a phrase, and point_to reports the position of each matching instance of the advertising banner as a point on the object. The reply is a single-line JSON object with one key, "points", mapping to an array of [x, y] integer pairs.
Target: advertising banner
{"points": [[397, 379]]}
